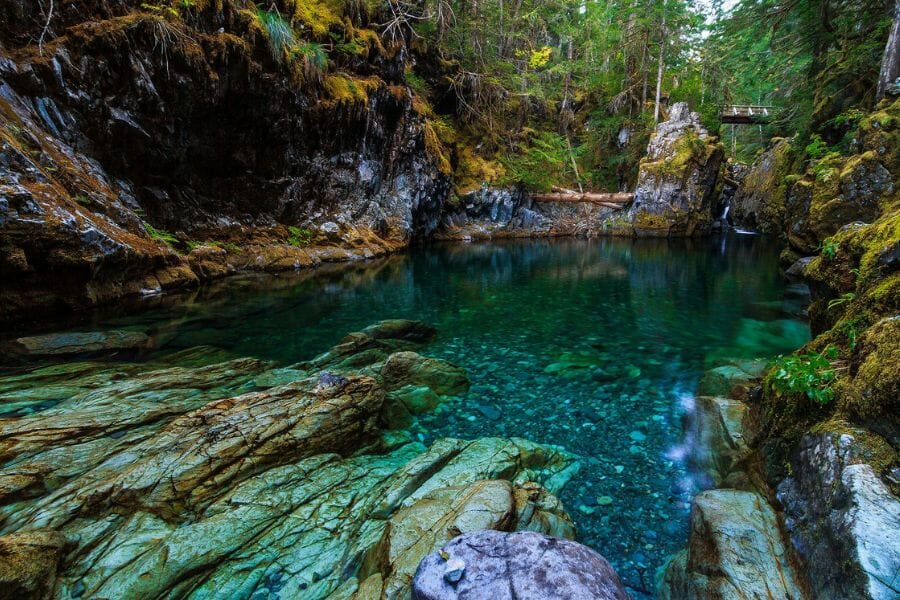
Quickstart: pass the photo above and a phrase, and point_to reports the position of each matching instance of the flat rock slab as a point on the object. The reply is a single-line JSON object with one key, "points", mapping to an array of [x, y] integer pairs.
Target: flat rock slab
{"points": [[516, 566], [89, 342]]}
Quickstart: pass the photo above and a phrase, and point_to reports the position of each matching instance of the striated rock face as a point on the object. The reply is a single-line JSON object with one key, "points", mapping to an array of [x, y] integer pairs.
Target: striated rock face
{"points": [[735, 552], [107, 127], [715, 435], [240, 479], [509, 566], [676, 187], [840, 513]]}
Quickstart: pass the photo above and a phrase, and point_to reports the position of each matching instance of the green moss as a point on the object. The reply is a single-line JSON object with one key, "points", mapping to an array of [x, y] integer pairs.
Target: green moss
{"points": [[344, 89], [161, 235], [646, 220], [318, 16]]}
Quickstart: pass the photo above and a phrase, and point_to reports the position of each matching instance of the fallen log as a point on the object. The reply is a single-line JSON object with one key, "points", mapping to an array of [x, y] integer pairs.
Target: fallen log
{"points": [[562, 190], [618, 199]]}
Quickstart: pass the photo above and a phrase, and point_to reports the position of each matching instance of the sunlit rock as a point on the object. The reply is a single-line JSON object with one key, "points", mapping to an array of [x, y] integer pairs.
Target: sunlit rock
{"points": [[735, 551]]}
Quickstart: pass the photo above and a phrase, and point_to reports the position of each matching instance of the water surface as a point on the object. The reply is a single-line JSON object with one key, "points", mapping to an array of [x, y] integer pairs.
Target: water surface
{"points": [[593, 345]]}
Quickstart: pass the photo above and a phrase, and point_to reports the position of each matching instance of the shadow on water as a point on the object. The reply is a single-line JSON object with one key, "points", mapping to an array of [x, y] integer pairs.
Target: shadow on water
{"points": [[593, 345]]}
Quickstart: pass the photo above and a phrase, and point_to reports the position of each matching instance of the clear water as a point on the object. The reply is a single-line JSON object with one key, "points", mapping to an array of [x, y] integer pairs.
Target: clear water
{"points": [[593, 345]]}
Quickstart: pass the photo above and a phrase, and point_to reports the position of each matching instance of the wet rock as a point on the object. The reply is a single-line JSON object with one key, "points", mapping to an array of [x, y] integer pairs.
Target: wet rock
{"points": [[840, 513], [758, 204], [715, 434], [28, 564], [527, 566], [213, 484], [725, 381], [734, 552], [80, 343], [409, 368], [676, 183]]}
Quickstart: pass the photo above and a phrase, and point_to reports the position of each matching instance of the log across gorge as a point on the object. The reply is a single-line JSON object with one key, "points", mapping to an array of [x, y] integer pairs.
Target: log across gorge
{"points": [[607, 199]]}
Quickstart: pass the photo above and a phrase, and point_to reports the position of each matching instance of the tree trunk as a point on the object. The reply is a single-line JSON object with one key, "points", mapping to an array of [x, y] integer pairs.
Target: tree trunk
{"points": [[659, 70], [890, 63]]}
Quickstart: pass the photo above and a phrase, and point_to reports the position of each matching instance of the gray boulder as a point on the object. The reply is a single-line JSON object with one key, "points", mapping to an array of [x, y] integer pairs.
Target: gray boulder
{"points": [[515, 566], [677, 181], [844, 522]]}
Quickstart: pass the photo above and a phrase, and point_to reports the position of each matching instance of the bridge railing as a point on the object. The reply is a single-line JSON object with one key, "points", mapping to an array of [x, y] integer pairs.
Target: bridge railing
{"points": [[745, 113]]}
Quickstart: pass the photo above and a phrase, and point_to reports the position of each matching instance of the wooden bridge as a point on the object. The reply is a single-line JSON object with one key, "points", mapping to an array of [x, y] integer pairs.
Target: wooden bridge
{"points": [[746, 114]]}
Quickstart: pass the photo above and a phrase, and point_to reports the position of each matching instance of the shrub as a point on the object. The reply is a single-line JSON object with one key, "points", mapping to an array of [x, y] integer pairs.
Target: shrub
{"points": [[811, 374]]}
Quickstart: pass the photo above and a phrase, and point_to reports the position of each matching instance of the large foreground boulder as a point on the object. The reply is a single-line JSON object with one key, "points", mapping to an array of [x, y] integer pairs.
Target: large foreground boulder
{"points": [[735, 552], [491, 565], [676, 184], [844, 522]]}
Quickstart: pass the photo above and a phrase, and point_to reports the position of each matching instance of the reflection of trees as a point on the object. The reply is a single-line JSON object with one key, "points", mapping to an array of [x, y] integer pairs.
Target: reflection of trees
{"points": [[557, 293], [698, 290]]}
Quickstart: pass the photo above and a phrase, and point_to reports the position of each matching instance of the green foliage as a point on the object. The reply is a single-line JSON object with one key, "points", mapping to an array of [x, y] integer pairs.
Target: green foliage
{"points": [[161, 235], [811, 374], [543, 163], [299, 236], [817, 148], [312, 53], [281, 36], [830, 247], [841, 300], [160, 9], [851, 331]]}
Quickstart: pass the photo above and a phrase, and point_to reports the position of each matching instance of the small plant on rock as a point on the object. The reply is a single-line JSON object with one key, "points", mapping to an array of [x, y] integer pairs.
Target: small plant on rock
{"points": [[829, 248], [299, 236], [811, 374], [161, 235]]}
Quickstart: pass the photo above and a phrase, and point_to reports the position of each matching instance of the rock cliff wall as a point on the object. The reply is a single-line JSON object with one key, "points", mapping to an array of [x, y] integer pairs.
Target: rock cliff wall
{"points": [[129, 141]]}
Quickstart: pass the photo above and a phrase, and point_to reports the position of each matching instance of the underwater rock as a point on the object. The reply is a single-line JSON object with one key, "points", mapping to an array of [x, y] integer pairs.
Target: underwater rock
{"points": [[734, 552], [715, 432], [676, 184], [523, 566], [839, 512], [725, 381], [408, 368], [93, 342]]}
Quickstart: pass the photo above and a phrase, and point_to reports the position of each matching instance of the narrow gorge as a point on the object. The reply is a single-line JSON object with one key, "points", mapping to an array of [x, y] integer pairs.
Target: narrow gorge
{"points": [[402, 299]]}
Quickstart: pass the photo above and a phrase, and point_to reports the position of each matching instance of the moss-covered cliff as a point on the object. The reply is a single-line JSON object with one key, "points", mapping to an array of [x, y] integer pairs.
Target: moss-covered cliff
{"points": [[845, 210]]}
